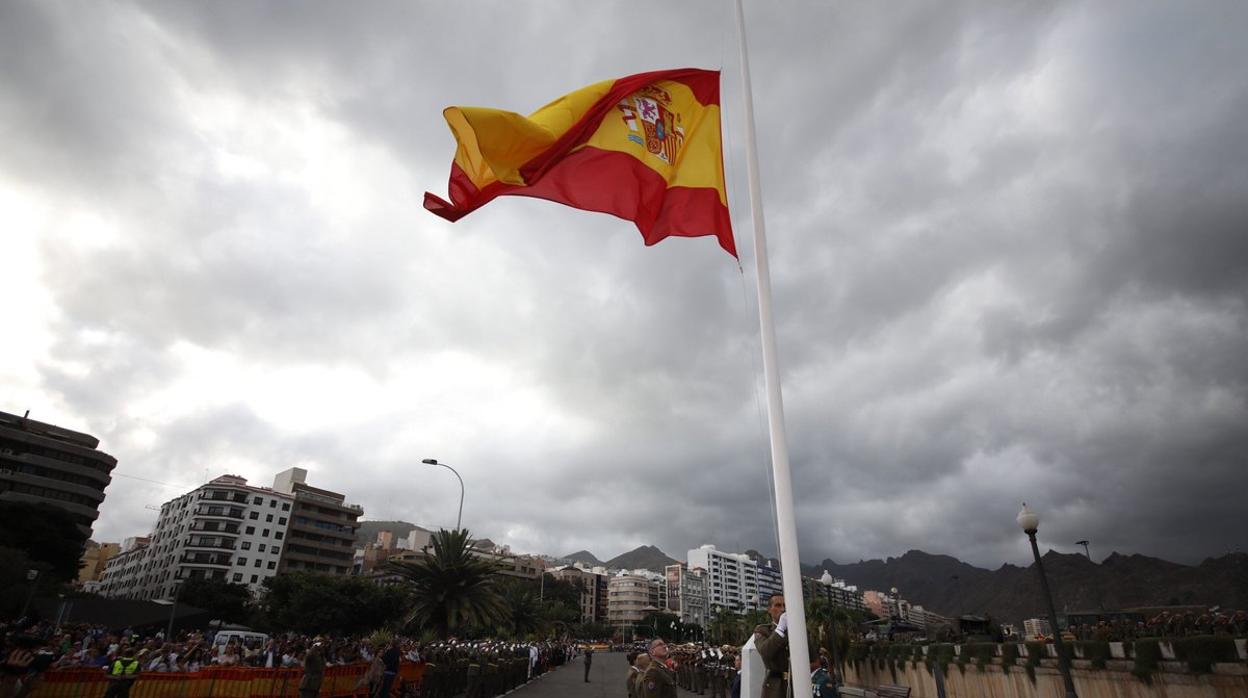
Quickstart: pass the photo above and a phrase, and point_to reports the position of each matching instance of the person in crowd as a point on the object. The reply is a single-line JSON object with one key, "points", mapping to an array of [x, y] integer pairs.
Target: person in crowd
{"points": [[589, 661], [313, 670], [657, 681], [771, 640]]}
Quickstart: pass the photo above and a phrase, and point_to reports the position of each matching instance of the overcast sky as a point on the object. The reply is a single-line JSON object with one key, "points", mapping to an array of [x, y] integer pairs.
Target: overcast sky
{"points": [[1009, 252]]}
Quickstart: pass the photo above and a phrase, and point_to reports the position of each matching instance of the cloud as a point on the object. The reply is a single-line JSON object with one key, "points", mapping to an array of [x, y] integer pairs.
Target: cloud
{"points": [[1006, 248]]}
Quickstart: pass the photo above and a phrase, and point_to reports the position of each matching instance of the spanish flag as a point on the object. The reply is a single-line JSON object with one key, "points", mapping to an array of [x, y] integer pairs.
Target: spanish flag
{"points": [[646, 148]]}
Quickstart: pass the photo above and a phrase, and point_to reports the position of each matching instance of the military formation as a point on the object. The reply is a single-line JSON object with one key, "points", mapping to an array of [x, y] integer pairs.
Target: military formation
{"points": [[486, 669], [703, 670]]}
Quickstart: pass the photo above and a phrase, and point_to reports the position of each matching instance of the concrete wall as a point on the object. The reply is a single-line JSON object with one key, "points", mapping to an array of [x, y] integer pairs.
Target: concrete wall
{"points": [[1115, 681]]}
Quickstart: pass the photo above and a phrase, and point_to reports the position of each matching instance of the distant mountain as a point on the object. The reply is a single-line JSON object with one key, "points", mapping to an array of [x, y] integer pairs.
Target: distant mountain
{"points": [[582, 556], [1010, 593], [368, 530], [646, 557]]}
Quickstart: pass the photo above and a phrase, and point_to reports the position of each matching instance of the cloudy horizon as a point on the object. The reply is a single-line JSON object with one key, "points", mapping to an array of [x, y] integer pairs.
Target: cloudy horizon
{"points": [[1008, 246]]}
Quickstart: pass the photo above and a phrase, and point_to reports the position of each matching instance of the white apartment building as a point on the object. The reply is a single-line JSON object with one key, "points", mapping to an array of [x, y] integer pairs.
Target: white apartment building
{"points": [[732, 579], [770, 582], [634, 594], [225, 529]]}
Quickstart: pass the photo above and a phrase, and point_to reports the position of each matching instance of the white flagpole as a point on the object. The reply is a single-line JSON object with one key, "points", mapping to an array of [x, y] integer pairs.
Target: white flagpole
{"points": [[790, 563]]}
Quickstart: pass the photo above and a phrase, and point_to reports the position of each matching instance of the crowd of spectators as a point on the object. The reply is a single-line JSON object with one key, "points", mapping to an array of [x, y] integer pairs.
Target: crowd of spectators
{"points": [[28, 651], [1164, 624]]}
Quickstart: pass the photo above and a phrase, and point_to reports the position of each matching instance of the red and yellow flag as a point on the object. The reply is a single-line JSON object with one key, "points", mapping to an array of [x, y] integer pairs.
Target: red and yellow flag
{"points": [[646, 148]]}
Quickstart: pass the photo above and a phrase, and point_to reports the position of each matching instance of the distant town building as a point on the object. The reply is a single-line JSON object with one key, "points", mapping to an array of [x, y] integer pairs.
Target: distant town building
{"points": [[841, 595], [732, 579], [94, 559], [1036, 628], [234, 532], [633, 595], [685, 590], [594, 584], [46, 464], [925, 619]]}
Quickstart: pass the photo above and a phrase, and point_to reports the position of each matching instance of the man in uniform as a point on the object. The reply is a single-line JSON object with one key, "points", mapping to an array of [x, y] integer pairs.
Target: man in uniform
{"points": [[771, 640], [122, 673], [658, 681], [589, 661]]}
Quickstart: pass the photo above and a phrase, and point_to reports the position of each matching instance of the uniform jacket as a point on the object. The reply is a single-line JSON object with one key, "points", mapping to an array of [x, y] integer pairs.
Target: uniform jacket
{"points": [[657, 682], [773, 649]]}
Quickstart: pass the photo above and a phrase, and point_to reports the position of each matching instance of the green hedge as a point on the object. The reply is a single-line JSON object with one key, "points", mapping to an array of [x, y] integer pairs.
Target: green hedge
{"points": [[1147, 653], [982, 652], [1095, 650], [1202, 651], [939, 655], [1009, 655], [1035, 652]]}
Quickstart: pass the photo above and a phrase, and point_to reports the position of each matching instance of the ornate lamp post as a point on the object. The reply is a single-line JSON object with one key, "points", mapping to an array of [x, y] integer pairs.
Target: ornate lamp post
{"points": [[1030, 523]]}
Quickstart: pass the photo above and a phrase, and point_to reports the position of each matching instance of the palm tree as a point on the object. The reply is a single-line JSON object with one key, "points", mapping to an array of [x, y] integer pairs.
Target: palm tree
{"points": [[522, 613], [451, 587]]}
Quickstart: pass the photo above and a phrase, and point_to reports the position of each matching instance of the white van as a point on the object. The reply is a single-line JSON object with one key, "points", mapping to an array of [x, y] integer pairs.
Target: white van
{"points": [[241, 638]]}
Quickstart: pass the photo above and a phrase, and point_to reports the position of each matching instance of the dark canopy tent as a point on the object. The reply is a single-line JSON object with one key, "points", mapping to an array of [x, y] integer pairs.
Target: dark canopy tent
{"points": [[120, 613]]}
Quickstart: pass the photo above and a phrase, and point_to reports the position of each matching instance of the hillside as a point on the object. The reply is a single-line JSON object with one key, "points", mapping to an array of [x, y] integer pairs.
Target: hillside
{"points": [[646, 557]]}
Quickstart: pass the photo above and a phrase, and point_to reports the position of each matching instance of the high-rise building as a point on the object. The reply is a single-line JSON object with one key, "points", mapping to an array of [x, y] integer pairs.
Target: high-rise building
{"points": [[234, 532], [732, 580], [770, 582], [46, 464], [839, 593], [322, 526], [686, 593], [225, 530]]}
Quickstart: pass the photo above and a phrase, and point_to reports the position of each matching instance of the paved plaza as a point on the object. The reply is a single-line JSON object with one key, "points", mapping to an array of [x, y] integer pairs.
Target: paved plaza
{"points": [[606, 680]]}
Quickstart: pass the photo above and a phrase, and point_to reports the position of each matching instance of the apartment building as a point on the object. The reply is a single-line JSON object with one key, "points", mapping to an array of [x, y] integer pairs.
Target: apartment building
{"points": [[321, 537], [46, 464], [226, 530], [633, 595], [686, 593], [732, 579], [595, 586]]}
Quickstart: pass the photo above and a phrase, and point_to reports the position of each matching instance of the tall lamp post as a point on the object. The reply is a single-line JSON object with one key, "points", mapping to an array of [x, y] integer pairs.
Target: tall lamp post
{"points": [[459, 517], [173, 611], [1030, 523], [826, 581]]}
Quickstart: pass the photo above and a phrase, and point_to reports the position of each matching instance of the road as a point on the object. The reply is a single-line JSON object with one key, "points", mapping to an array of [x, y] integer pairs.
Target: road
{"points": [[606, 680]]}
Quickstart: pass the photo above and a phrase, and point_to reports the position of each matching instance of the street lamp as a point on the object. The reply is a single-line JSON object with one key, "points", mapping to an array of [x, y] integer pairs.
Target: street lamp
{"points": [[826, 581], [1086, 552], [173, 610], [1030, 523], [32, 576], [460, 517]]}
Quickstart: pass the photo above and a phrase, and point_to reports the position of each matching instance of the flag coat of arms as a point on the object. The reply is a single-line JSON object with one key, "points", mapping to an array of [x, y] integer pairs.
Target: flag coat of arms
{"points": [[646, 148]]}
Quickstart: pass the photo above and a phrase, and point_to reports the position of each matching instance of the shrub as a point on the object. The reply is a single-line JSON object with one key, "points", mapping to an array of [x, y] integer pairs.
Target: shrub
{"points": [[1147, 659], [1095, 650], [1035, 652], [939, 655], [1200, 652], [982, 652], [1009, 655]]}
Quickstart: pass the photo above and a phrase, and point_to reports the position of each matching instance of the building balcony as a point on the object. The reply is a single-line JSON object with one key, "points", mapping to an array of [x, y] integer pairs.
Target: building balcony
{"points": [[210, 546], [219, 513]]}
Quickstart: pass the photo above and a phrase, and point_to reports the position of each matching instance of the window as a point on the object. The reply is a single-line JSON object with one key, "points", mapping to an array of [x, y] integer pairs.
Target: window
{"points": [[277, 536], [272, 565], [269, 518], [242, 561], [256, 500], [261, 548], [275, 550], [246, 545], [285, 506], [238, 576], [251, 530], [254, 515], [272, 503], [282, 520], [258, 562], [254, 578], [265, 533]]}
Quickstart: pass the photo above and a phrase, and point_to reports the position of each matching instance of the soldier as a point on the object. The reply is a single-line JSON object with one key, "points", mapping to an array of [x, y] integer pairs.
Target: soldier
{"points": [[772, 642], [658, 681]]}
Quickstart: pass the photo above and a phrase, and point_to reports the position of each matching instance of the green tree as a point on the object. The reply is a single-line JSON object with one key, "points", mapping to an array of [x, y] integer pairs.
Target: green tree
{"points": [[321, 603], [451, 589], [228, 602], [521, 612]]}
